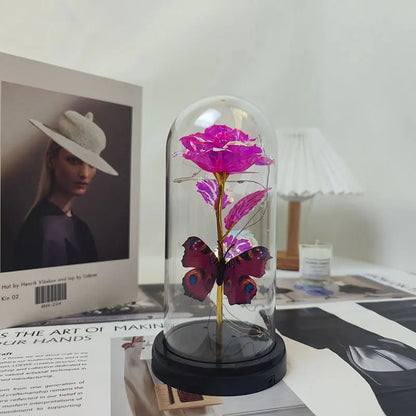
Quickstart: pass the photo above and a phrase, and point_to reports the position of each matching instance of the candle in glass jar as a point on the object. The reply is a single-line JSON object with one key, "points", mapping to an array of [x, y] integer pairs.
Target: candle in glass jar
{"points": [[315, 261]]}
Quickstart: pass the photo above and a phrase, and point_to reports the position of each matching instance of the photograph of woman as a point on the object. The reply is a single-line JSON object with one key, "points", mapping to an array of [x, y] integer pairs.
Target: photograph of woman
{"points": [[69, 191], [52, 234], [65, 179]]}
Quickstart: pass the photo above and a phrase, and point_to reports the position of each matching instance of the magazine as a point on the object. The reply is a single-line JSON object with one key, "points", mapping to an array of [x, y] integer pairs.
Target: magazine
{"points": [[339, 288], [69, 150], [103, 368]]}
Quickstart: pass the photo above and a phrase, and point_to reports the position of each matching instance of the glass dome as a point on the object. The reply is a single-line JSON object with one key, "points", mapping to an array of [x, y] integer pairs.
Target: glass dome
{"points": [[220, 251]]}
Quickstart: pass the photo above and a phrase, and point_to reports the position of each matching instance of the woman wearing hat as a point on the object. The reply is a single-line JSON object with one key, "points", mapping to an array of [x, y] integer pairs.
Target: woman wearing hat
{"points": [[52, 235]]}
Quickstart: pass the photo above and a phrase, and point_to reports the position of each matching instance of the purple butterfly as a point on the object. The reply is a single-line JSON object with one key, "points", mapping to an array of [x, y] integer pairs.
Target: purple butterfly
{"points": [[235, 273]]}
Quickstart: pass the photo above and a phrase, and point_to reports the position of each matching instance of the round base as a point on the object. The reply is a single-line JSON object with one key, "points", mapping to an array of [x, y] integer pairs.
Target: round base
{"points": [[218, 378]]}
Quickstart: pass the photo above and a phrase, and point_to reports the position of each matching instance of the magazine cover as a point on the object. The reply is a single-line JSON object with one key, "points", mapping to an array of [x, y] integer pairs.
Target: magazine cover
{"points": [[69, 147]]}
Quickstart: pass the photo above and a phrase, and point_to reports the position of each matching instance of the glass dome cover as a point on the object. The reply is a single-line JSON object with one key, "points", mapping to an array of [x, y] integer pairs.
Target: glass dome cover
{"points": [[220, 239]]}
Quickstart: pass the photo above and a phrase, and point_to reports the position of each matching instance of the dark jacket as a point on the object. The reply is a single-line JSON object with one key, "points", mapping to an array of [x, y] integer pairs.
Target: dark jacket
{"points": [[50, 238]]}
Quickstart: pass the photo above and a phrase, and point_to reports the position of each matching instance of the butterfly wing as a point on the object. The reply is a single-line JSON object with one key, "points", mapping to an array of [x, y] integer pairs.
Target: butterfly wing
{"points": [[199, 281], [241, 290], [239, 287]]}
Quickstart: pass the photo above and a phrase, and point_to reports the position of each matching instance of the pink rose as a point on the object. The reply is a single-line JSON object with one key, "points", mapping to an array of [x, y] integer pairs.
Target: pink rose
{"points": [[223, 149]]}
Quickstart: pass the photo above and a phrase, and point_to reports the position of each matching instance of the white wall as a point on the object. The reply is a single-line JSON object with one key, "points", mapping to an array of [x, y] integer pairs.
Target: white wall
{"points": [[347, 67], [366, 72]]}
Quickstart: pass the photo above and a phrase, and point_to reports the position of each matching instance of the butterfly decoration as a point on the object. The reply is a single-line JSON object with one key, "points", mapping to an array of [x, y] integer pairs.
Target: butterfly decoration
{"points": [[235, 273]]}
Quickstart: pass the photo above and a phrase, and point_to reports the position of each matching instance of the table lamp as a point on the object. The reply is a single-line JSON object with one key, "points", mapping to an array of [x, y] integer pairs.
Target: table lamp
{"points": [[307, 165]]}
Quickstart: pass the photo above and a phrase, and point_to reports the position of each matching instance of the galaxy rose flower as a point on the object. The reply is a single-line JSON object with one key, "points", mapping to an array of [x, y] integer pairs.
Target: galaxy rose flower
{"points": [[223, 149]]}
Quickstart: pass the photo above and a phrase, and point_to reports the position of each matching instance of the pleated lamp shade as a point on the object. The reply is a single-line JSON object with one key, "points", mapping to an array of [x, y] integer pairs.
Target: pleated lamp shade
{"points": [[307, 165]]}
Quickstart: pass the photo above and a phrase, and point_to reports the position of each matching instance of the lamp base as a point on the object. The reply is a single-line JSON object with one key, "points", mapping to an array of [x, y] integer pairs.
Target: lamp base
{"points": [[286, 261], [218, 378]]}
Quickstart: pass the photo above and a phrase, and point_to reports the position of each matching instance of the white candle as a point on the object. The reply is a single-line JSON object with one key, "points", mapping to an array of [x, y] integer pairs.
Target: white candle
{"points": [[315, 261]]}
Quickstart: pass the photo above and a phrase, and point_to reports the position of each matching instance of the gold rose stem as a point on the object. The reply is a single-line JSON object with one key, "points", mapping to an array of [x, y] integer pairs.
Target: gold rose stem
{"points": [[221, 178], [219, 323]]}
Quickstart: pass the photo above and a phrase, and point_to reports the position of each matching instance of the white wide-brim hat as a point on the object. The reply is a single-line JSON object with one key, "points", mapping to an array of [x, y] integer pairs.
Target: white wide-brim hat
{"points": [[80, 136]]}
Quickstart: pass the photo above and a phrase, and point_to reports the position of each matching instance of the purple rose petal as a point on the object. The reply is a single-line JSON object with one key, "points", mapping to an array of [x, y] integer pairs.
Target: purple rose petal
{"points": [[243, 207], [208, 188], [233, 247], [223, 149]]}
